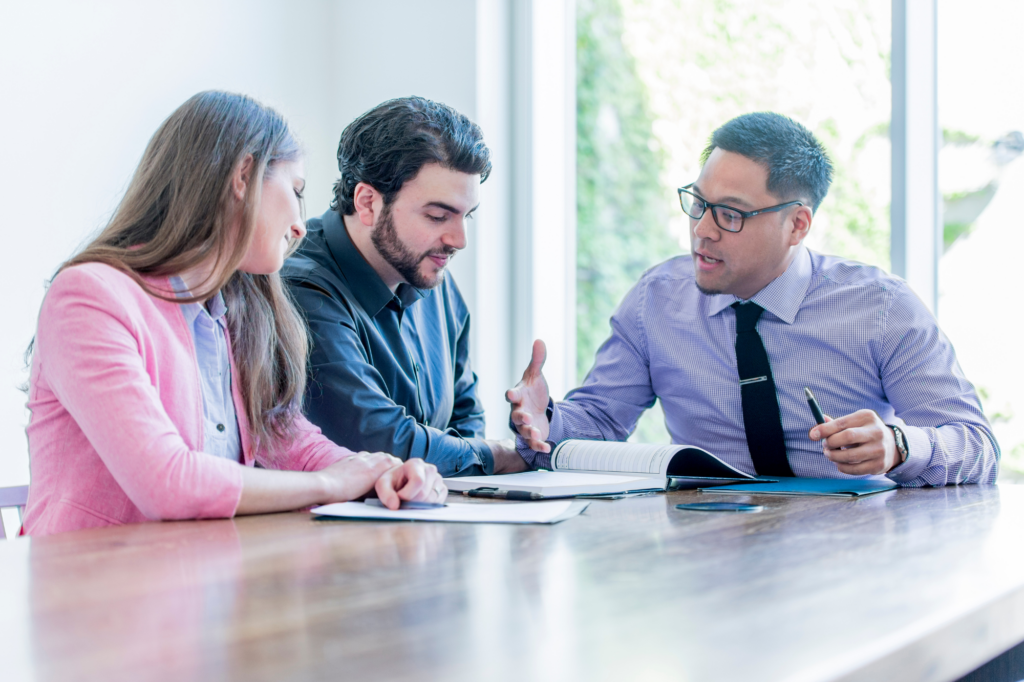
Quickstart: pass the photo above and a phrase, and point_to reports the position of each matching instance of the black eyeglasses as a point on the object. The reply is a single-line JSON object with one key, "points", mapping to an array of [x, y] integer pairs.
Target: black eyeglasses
{"points": [[726, 217]]}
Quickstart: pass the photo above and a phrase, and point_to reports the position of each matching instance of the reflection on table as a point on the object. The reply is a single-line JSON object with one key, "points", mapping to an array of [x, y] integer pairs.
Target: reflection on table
{"points": [[917, 584]]}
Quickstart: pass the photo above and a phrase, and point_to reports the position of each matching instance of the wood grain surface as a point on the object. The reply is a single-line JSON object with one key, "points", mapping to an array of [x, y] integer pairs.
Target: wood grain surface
{"points": [[910, 585]]}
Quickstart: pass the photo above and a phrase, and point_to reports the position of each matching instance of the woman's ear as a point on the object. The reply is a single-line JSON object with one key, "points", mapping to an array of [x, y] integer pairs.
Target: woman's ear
{"points": [[241, 177]]}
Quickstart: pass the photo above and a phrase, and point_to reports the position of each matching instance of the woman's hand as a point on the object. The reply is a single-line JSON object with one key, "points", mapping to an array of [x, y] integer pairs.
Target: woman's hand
{"points": [[415, 480], [355, 476], [267, 490]]}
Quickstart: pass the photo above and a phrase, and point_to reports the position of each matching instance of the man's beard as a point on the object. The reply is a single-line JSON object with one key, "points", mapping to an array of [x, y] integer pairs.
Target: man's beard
{"points": [[706, 291], [400, 257]]}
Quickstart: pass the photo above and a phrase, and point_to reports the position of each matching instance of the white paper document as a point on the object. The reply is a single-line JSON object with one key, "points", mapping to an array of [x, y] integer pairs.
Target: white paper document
{"points": [[555, 483], [492, 512]]}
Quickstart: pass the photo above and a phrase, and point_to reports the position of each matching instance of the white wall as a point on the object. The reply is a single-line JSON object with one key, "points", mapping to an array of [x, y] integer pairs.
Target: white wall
{"points": [[84, 84]]}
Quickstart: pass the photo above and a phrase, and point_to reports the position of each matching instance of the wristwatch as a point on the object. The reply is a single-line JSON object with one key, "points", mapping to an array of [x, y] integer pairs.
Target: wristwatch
{"points": [[901, 443]]}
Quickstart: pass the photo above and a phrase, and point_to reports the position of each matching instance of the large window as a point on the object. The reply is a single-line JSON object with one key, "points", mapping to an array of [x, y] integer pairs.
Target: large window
{"points": [[981, 176], [656, 77]]}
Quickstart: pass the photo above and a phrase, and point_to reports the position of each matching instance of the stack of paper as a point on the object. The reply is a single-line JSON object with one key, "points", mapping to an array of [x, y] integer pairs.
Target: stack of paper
{"points": [[557, 483], [491, 512]]}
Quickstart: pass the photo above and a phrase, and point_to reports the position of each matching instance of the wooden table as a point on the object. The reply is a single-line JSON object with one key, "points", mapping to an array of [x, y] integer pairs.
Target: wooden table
{"points": [[909, 585]]}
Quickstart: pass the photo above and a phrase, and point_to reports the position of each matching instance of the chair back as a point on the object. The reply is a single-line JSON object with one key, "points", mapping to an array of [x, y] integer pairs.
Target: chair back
{"points": [[16, 497]]}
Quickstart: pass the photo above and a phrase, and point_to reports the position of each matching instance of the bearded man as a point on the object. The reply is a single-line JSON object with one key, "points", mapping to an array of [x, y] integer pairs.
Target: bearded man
{"points": [[389, 367]]}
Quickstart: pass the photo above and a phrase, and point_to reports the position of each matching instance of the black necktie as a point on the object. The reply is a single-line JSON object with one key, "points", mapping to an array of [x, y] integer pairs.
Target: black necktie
{"points": [[761, 417]]}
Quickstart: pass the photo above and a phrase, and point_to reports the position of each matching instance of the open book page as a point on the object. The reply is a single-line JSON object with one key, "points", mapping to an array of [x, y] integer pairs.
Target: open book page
{"points": [[612, 456]]}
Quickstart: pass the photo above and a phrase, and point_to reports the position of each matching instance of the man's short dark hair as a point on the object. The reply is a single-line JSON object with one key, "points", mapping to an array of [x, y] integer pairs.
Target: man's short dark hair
{"points": [[387, 146], [798, 166]]}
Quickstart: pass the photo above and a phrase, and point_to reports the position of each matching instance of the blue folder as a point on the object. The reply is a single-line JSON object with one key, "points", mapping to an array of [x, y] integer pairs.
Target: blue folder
{"points": [[832, 487]]}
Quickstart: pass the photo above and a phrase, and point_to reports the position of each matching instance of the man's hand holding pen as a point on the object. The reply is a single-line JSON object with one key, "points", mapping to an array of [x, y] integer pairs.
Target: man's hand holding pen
{"points": [[859, 443]]}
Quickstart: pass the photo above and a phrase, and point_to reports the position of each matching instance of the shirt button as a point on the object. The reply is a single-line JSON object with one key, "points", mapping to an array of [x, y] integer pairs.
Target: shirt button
{"points": [[220, 427]]}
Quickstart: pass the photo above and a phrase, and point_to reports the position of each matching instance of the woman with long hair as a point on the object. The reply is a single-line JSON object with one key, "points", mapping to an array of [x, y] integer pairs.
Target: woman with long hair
{"points": [[168, 359]]}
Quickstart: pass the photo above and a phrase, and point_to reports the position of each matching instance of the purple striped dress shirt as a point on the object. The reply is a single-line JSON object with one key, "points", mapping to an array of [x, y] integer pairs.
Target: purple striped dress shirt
{"points": [[855, 335]]}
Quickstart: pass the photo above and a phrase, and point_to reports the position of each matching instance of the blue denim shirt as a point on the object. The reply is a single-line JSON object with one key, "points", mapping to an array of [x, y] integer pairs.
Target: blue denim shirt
{"points": [[388, 372], [208, 325]]}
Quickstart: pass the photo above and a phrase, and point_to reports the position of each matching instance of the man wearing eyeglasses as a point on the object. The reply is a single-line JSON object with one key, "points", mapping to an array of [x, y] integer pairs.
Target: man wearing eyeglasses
{"points": [[729, 336]]}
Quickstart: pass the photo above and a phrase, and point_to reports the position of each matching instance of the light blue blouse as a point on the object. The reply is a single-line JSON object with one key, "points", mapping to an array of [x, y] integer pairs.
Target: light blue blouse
{"points": [[208, 325]]}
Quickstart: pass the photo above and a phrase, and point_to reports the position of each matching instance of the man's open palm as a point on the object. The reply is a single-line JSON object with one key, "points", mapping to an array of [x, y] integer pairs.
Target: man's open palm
{"points": [[529, 400]]}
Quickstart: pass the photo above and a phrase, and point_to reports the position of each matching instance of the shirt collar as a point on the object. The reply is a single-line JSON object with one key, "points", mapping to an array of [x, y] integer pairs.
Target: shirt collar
{"points": [[215, 307], [783, 295], [363, 281]]}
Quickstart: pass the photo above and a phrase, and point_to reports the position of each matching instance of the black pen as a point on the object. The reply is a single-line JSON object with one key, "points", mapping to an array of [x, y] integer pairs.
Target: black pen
{"points": [[815, 408], [496, 494]]}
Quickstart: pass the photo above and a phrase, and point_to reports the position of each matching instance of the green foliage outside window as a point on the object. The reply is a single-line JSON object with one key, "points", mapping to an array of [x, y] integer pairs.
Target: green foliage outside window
{"points": [[656, 77], [622, 209]]}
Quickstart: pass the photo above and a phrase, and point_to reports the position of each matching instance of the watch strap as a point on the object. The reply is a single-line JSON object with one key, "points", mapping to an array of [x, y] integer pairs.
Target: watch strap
{"points": [[901, 442]]}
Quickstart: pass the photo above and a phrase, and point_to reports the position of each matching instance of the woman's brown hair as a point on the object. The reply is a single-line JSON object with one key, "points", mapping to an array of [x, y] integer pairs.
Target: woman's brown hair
{"points": [[177, 214]]}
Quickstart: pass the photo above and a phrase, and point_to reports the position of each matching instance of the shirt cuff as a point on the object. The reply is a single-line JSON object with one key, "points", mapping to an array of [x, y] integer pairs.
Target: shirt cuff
{"points": [[484, 457], [919, 455], [555, 430]]}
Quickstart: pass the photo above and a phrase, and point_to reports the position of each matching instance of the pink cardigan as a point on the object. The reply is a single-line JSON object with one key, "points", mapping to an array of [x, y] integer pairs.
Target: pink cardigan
{"points": [[116, 433]]}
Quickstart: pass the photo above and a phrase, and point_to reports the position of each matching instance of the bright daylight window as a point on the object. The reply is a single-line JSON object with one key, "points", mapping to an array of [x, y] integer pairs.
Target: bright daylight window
{"points": [[981, 176], [656, 77]]}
